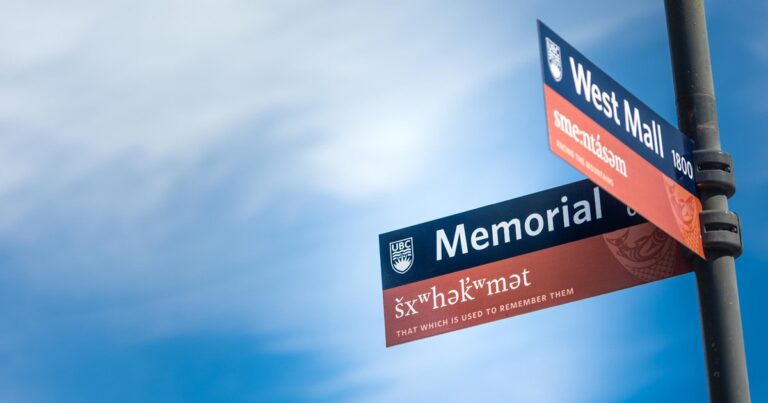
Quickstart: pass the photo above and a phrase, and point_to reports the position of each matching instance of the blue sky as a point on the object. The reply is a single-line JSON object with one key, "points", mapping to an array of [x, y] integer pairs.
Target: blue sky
{"points": [[191, 194]]}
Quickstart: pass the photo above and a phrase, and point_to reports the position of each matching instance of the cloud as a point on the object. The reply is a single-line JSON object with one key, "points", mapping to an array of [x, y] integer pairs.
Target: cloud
{"points": [[165, 82], [162, 161]]}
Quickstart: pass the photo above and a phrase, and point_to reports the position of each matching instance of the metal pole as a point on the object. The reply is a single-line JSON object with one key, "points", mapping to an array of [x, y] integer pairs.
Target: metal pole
{"points": [[716, 277]]}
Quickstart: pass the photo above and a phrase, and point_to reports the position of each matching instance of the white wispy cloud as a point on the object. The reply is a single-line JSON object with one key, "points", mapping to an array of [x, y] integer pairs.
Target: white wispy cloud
{"points": [[88, 82]]}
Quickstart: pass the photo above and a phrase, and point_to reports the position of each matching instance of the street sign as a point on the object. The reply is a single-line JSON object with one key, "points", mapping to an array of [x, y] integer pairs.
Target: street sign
{"points": [[545, 249], [618, 142]]}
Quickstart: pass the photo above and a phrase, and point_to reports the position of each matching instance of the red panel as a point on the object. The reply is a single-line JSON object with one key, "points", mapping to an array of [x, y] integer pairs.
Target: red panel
{"points": [[644, 188], [545, 278]]}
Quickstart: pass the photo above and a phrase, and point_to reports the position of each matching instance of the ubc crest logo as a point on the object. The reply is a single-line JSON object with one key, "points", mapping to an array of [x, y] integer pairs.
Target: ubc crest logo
{"points": [[401, 255], [554, 59]]}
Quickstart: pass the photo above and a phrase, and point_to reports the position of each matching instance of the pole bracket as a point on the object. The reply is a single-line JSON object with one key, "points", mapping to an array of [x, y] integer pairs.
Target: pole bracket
{"points": [[714, 172], [721, 231]]}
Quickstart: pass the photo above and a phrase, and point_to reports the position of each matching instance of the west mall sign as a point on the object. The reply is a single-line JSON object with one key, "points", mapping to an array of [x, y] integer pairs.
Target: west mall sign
{"points": [[618, 142]]}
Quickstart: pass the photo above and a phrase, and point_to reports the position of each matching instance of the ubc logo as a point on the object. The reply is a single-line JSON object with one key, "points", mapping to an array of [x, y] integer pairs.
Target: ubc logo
{"points": [[554, 59], [401, 255]]}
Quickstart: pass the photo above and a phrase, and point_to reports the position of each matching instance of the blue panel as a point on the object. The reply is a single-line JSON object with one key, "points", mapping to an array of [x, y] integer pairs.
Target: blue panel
{"points": [[423, 253]]}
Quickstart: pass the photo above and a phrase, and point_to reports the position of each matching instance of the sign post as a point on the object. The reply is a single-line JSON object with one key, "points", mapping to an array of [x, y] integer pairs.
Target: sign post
{"points": [[591, 237], [716, 277]]}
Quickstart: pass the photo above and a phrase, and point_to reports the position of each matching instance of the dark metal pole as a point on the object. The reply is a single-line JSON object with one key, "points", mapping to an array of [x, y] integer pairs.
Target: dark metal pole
{"points": [[716, 277]]}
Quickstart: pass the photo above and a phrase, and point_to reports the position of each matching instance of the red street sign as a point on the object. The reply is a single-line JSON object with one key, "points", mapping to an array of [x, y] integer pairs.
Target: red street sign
{"points": [[618, 142], [546, 249]]}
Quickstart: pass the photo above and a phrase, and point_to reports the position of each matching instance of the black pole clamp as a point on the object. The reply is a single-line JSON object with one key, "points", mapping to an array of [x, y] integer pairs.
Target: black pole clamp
{"points": [[721, 231], [714, 172]]}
